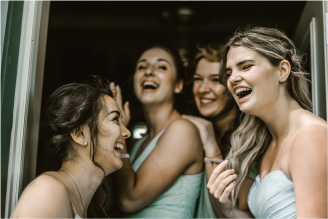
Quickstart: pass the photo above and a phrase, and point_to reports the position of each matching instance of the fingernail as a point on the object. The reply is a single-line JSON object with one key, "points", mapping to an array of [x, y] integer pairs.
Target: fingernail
{"points": [[111, 83], [127, 102]]}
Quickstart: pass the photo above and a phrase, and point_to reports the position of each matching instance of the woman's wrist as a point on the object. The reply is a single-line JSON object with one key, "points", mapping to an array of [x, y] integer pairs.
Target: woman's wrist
{"points": [[213, 154], [213, 159], [211, 149]]}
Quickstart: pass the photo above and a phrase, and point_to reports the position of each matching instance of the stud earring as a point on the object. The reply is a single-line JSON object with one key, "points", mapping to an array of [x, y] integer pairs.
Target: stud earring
{"points": [[85, 142], [177, 90]]}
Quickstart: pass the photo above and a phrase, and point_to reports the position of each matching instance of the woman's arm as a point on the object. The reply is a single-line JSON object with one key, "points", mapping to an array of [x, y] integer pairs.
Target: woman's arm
{"points": [[45, 197], [177, 152], [308, 168]]}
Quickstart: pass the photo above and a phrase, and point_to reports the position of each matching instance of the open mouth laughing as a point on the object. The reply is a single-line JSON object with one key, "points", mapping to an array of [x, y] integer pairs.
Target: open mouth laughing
{"points": [[206, 101], [149, 85], [118, 147], [243, 93]]}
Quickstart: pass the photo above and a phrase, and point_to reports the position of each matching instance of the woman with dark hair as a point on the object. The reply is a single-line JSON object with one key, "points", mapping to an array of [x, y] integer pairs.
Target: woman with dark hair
{"points": [[263, 71], [163, 176], [219, 117], [84, 128]]}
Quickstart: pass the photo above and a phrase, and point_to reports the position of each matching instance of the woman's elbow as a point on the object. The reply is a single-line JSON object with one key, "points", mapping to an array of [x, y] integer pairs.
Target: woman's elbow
{"points": [[127, 205]]}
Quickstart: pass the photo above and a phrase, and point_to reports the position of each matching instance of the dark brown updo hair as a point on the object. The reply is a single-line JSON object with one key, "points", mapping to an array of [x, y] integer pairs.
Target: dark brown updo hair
{"points": [[70, 107]]}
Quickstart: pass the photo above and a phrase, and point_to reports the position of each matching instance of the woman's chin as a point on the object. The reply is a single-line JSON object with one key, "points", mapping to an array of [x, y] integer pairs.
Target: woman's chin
{"points": [[118, 164]]}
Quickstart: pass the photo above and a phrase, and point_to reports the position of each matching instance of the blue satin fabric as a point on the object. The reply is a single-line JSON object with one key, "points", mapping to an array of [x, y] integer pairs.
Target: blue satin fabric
{"points": [[273, 197]]}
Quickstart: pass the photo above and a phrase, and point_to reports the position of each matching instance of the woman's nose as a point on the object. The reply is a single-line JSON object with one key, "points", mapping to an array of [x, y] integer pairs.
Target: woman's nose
{"points": [[204, 87], [125, 132], [149, 71], [234, 77]]}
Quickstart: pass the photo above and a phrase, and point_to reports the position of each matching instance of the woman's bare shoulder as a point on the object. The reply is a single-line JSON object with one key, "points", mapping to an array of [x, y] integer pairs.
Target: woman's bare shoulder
{"points": [[46, 196], [310, 142], [183, 133], [183, 125], [48, 182]]}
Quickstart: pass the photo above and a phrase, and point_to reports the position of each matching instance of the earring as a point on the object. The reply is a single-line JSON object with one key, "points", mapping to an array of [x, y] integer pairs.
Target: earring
{"points": [[85, 142], [283, 79], [177, 90]]}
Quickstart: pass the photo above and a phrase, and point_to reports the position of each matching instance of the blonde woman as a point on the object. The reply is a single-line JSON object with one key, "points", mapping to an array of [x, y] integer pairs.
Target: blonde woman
{"points": [[263, 71]]}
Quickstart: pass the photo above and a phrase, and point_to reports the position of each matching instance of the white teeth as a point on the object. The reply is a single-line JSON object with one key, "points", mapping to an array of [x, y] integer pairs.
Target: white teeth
{"points": [[118, 146], [149, 83], [206, 101], [241, 90]]}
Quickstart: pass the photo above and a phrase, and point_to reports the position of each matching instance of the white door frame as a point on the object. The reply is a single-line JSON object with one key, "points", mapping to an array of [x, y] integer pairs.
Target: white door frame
{"points": [[311, 32], [27, 101]]}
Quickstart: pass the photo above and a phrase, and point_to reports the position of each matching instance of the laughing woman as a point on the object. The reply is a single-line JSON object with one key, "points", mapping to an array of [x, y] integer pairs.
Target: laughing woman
{"points": [[163, 176], [219, 118], [263, 71], [84, 126]]}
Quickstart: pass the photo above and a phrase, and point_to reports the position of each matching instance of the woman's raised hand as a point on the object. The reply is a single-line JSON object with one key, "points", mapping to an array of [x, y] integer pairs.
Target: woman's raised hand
{"points": [[125, 110], [221, 182], [207, 134]]}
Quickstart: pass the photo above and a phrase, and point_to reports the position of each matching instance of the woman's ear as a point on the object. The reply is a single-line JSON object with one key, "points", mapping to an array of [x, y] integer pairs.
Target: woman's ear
{"points": [[178, 87], [80, 136], [284, 70]]}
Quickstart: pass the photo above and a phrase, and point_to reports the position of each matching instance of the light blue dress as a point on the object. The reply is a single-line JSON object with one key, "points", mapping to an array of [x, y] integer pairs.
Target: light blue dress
{"points": [[204, 207], [178, 201], [76, 216], [273, 197]]}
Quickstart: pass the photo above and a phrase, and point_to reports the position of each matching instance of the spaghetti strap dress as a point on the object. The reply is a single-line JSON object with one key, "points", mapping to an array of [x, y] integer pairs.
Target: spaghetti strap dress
{"points": [[178, 201]]}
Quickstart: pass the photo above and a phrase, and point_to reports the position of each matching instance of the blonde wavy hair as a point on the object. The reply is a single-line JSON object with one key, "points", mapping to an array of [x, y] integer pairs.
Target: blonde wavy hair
{"points": [[251, 139]]}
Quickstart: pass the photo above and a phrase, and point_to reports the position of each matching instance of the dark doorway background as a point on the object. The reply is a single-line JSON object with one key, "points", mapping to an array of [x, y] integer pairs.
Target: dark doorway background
{"points": [[106, 37]]}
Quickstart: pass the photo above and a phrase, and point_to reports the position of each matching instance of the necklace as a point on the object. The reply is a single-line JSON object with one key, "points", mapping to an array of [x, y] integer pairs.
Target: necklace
{"points": [[77, 190]]}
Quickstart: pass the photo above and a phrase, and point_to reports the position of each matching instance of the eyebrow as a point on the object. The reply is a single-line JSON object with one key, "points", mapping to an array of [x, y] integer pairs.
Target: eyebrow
{"points": [[212, 74], [241, 63], [115, 111], [142, 60], [161, 60]]}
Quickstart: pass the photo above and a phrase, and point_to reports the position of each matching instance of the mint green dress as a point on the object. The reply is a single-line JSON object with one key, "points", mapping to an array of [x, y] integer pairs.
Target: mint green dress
{"points": [[178, 201], [204, 207], [273, 196], [76, 216]]}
